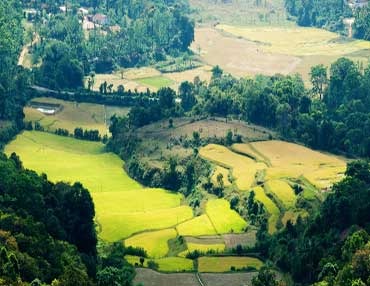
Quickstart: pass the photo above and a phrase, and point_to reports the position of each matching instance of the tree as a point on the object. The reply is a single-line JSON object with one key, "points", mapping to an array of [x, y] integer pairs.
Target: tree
{"points": [[186, 93], [265, 277], [319, 79]]}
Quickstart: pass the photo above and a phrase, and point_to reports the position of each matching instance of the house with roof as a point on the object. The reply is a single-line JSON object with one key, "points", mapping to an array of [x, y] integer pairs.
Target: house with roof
{"points": [[100, 19]]}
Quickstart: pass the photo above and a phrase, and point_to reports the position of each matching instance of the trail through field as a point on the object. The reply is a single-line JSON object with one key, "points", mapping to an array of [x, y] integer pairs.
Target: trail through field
{"points": [[25, 50]]}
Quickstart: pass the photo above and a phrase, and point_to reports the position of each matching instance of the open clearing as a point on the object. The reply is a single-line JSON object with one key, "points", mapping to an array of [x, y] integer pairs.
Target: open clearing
{"points": [[73, 114], [224, 263], [141, 79], [86, 162], [250, 50]]}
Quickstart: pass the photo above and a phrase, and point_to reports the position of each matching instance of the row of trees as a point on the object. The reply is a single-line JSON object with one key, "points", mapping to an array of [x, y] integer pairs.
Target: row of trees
{"points": [[331, 116]]}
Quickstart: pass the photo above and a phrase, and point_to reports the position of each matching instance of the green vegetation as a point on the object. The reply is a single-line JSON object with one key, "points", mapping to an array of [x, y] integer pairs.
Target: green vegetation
{"points": [[167, 264], [224, 219], [102, 174], [155, 243], [34, 242], [227, 264], [156, 81], [200, 225], [331, 246]]}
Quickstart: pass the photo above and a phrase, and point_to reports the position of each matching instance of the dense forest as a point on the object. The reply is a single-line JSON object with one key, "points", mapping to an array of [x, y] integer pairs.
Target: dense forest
{"points": [[13, 79], [119, 34], [330, 15]]}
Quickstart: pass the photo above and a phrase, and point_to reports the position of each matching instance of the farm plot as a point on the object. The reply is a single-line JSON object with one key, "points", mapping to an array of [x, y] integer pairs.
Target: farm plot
{"points": [[320, 169], [243, 168], [73, 114], [166, 264], [232, 240], [156, 81], [311, 45], [224, 219], [152, 278], [270, 206], [283, 192], [203, 248], [231, 279], [68, 159], [225, 263], [155, 243], [197, 226]]}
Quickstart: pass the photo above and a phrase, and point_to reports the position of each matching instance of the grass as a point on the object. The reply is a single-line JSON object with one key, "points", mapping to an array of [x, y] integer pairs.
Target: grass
{"points": [[166, 264], [122, 206], [224, 219], [155, 81], [224, 264], [197, 226], [155, 243], [243, 168], [73, 114], [270, 206], [283, 191], [320, 169]]}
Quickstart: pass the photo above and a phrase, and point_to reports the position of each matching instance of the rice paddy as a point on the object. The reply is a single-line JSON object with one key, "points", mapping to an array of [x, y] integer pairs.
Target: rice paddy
{"points": [[243, 168], [197, 226], [226, 264], [283, 192], [224, 219], [102, 173], [155, 243]]}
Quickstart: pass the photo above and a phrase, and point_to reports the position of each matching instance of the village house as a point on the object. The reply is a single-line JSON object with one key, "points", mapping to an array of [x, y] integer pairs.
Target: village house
{"points": [[100, 19]]}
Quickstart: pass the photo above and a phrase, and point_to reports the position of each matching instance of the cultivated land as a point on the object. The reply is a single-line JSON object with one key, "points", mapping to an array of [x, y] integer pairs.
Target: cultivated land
{"points": [[247, 51], [243, 168], [224, 263], [271, 168], [74, 114], [153, 278], [118, 215], [124, 209]]}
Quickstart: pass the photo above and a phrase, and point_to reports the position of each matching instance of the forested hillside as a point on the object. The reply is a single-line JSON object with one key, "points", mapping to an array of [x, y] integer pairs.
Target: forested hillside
{"points": [[13, 79], [330, 14], [47, 230]]}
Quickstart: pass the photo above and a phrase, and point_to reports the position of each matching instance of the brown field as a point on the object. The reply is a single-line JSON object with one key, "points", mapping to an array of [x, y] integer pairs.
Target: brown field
{"points": [[245, 239], [238, 56], [229, 279], [152, 278], [249, 50]]}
